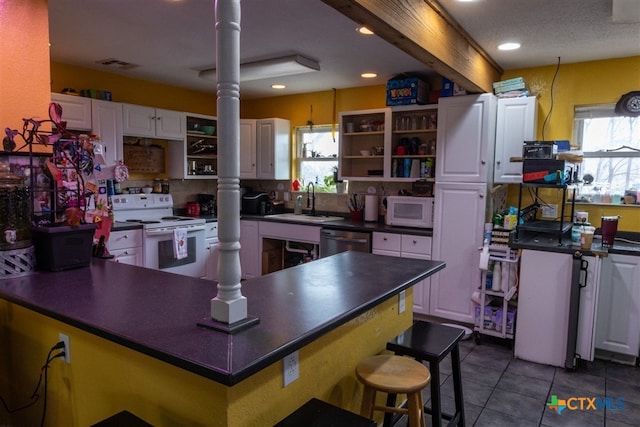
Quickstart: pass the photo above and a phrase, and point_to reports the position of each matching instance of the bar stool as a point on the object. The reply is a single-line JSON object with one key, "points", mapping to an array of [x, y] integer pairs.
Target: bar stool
{"points": [[393, 375], [431, 342]]}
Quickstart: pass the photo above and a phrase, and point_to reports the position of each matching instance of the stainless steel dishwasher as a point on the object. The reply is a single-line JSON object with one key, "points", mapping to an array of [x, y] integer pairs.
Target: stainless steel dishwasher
{"points": [[334, 241]]}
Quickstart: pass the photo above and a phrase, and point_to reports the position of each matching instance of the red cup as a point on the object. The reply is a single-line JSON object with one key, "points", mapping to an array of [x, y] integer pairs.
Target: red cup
{"points": [[401, 150], [609, 230], [356, 216]]}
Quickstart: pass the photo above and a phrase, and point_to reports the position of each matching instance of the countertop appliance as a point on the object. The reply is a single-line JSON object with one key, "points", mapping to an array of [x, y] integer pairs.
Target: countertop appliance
{"points": [[256, 203], [160, 227], [407, 211], [207, 204], [335, 241]]}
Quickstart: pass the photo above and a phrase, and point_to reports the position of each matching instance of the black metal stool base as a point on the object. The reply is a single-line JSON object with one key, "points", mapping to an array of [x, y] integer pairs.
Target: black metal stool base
{"points": [[431, 342]]}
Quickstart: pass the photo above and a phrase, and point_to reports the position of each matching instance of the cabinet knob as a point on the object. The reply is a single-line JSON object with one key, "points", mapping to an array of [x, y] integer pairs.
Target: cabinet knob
{"points": [[126, 236], [414, 242], [498, 162], [481, 195], [482, 162], [384, 238]]}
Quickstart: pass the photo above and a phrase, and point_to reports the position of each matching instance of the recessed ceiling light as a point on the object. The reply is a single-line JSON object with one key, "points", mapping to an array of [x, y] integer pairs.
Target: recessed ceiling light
{"points": [[364, 30], [278, 86], [509, 46], [368, 75]]}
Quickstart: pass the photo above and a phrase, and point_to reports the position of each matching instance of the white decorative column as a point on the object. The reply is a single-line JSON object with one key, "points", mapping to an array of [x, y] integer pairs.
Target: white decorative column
{"points": [[229, 307]]}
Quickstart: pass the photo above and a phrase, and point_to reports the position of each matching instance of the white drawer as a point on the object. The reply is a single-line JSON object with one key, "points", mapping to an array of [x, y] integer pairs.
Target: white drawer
{"points": [[416, 244], [124, 239], [211, 230], [386, 241]]}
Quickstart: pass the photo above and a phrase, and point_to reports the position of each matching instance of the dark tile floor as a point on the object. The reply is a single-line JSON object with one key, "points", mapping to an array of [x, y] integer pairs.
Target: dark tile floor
{"points": [[502, 391]]}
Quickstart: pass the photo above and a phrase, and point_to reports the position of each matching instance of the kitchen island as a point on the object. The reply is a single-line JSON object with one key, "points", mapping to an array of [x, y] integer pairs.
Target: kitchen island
{"points": [[135, 344]]}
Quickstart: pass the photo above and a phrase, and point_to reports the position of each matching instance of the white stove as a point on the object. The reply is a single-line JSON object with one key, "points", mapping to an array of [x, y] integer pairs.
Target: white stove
{"points": [[161, 228]]}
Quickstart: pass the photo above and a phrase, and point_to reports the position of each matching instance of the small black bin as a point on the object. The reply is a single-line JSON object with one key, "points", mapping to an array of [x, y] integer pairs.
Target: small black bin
{"points": [[61, 247]]}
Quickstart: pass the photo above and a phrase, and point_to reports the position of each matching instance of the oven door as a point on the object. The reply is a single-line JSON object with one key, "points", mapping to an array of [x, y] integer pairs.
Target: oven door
{"points": [[158, 251]]}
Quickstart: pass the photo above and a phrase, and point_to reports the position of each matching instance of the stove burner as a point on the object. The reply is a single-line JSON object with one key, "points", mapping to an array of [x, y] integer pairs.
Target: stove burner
{"points": [[150, 222]]}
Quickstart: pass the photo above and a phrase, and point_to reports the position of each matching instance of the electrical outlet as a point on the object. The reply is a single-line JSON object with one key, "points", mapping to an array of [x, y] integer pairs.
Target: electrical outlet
{"points": [[550, 211], [290, 368], [402, 302], [67, 350]]}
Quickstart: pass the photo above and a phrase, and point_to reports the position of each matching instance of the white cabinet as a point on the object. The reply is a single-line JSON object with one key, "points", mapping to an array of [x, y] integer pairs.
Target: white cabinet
{"points": [[139, 120], [457, 236], [250, 249], [273, 148], [466, 136], [248, 167], [515, 123], [106, 122], [76, 110], [211, 244], [407, 246], [126, 246], [619, 306]]}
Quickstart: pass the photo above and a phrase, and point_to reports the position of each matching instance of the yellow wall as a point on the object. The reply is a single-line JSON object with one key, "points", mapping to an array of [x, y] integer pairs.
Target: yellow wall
{"points": [[132, 91], [24, 73], [105, 378], [587, 83]]}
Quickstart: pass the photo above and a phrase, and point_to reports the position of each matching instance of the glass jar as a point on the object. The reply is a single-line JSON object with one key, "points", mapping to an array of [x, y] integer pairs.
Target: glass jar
{"points": [[15, 211], [165, 186], [157, 185]]}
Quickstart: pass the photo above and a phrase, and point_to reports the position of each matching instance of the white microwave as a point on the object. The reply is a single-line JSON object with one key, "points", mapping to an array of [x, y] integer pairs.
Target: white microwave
{"points": [[406, 211]]}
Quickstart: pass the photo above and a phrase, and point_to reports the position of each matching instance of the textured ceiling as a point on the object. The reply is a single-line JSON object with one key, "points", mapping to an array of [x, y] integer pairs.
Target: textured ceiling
{"points": [[171, 41]]}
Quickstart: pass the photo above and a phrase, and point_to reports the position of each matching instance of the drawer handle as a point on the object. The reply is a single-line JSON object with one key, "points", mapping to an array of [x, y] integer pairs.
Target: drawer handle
{"points": [[384, 238], [415, 242]]}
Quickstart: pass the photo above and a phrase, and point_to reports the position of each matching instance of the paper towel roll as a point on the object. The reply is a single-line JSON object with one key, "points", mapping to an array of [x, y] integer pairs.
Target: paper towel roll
{"points": [[371, 207]]}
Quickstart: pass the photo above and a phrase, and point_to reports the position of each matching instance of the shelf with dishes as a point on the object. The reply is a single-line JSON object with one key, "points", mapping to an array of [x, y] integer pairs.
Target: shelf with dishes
{"points": [[362, 143], [196, 156]]}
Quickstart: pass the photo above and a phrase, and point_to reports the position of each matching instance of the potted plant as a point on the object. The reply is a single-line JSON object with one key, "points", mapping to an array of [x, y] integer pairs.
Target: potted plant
{"points": [[64, 240]]}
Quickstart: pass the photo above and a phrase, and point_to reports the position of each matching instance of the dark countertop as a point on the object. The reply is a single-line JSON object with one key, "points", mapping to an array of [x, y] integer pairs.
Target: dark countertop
{"points": [[345, 224], [549, 243], [156, 313]]}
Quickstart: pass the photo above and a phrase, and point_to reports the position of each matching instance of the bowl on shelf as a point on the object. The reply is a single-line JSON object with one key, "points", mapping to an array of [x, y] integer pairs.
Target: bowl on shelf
{"points": [[365, 152], [208, 130], [147, 190]]}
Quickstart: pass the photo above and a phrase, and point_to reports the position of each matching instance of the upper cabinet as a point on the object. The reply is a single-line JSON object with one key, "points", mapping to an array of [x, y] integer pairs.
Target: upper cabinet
{"points": [[248, 160], [413, 143], [364, 137], [516, 123], [196, 155], [273, 148], [153, 122], [465, 141], [106, 122], [76, 110]]}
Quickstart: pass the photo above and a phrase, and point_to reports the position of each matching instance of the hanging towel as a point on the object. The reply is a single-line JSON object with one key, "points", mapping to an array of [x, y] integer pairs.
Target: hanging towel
{"points": [[179, 243]]}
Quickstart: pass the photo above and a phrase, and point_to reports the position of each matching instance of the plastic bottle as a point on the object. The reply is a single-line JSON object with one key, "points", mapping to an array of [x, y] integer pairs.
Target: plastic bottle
{"points": [[297, 210], [496, 285]]}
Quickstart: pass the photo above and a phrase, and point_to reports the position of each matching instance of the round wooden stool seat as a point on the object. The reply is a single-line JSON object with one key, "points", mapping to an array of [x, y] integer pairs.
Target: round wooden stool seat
{"points": [[397, 375]]}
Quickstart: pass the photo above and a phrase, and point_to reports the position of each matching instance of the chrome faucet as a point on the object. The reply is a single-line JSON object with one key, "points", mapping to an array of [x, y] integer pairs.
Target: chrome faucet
{"points": [[311, 201]]}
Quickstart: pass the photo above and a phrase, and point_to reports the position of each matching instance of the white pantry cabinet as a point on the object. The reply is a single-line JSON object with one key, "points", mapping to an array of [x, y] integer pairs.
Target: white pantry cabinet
{"points": [[516, 122], [458, 217], [248, 166], [273, 148], [106, 122], [407, 246], [139, 120], [618, 318], [76, 110], [465, 140]]}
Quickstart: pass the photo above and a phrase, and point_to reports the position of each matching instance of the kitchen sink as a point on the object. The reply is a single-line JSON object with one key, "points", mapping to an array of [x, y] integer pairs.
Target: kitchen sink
{"points": [[316, 219]]}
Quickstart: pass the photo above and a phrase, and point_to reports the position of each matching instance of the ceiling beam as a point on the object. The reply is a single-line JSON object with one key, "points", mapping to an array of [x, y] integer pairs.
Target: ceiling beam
{"points": [[424, 30]]}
